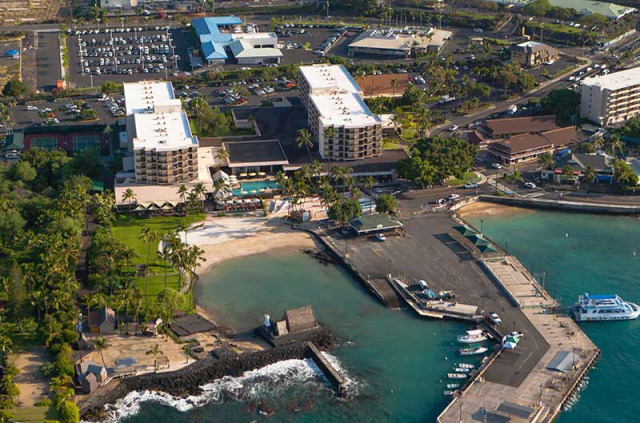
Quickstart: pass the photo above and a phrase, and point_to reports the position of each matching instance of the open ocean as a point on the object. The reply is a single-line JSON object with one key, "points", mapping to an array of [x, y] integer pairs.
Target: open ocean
{"points": [[395, 362]]}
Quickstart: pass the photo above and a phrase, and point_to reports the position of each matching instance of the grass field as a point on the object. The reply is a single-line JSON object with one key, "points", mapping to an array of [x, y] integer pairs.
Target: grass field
{"points": [[35, 414], [127, 229], [468, 177]]}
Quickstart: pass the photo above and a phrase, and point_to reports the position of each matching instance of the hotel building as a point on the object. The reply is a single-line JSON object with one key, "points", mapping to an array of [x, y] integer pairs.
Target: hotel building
{"points": [[339, 119], [610, 99], [164, 150]]}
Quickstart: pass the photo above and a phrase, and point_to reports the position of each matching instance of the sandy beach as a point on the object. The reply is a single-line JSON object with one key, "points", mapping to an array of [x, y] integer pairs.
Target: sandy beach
{"points": [[480, 208]]}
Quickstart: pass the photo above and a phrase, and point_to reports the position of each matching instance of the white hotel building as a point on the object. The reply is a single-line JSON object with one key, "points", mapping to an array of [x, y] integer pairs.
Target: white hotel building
{"points": [[612, 98], [164, 150], [339, 119]]}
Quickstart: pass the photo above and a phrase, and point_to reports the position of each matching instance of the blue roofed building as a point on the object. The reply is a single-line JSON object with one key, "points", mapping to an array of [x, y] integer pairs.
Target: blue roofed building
{"points": [[217, 34]]}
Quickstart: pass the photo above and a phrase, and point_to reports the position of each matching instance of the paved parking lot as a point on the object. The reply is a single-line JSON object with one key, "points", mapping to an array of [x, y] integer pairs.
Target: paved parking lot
{"points": [[126, 55], [23, 117], [48, 70], [428, 252]]}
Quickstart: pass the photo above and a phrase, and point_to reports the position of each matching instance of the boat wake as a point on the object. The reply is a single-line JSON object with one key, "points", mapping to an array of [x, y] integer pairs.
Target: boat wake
{"points": [[272, 381]]}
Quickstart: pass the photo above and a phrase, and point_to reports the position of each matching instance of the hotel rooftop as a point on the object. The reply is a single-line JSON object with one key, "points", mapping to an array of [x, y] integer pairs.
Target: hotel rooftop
{"points": [[337, 96], [615, 81], [158, 118]]}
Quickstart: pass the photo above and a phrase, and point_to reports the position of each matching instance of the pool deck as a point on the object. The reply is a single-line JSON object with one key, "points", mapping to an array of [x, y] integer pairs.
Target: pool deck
{"points": [[515, 381]]}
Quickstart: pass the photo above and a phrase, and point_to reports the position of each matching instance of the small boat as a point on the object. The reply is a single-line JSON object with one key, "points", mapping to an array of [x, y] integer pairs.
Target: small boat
{"points": [[453, 385], [472, 336], [449, 393], [466, 366], [456, 375], [462, 370], [473, 350], [591, 308]]}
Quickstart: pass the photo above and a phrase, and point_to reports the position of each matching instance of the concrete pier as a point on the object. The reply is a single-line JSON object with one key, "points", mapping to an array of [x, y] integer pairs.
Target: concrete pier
{"points": [[328, 370]]}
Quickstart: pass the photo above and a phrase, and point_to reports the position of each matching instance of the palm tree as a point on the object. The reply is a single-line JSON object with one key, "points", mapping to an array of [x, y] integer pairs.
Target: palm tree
{"points": [[100, 344], [165, 254], [590, 175], [598, 142], [223, 154], [5, 345], [128, 196], [182, 192], [304, 140], [150, 238], [615, 144], [155, 352], [93, 300], [546, 161], [200, 191], [394, 84]]}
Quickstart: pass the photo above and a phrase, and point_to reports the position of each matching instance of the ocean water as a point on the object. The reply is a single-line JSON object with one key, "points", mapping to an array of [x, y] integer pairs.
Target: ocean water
{"points": [[581, 253], [394, 362]]}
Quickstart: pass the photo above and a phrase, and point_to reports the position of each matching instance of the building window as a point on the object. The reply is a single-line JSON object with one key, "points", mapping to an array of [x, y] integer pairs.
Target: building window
{"points": [[47, 143], [86, 142]]}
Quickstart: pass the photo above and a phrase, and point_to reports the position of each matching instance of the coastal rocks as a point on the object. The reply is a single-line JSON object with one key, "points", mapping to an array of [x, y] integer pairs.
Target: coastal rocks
{"points": [[187, 381], [320, 255]]}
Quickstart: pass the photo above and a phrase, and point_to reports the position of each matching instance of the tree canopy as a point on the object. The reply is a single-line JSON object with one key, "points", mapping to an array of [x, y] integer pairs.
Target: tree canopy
{"points": [[14, 88], [563, 103]]}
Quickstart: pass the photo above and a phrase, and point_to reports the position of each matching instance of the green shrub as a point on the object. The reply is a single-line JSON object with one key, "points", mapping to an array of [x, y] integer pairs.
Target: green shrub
{"points": [[44, 402], [70, 412]]}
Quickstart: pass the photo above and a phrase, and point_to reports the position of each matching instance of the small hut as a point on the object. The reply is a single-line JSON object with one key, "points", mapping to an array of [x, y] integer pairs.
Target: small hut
{"points": [[89, 383], [300, 319]]}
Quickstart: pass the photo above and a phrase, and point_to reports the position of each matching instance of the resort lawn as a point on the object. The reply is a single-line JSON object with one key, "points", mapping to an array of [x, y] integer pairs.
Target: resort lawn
{"points": [[35, 414], [127, 229], [468, 177]]}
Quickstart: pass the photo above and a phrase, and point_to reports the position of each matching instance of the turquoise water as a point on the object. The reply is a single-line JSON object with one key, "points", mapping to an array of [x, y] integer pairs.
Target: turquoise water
{"points": [[595, 254], [254, 186], [394, 359]]}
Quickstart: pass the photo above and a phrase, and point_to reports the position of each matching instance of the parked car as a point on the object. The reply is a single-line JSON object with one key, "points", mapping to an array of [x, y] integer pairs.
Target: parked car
{"points": [[496, 165], [470, 185], [453, 196], [529, 185], [32, 108], [453, 128], [381, 237], [495, 319]]}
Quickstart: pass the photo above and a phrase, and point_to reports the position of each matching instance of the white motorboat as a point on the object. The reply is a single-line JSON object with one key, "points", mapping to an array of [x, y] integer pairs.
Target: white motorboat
{"points": [[592, 308], [472, 336], [456, 375], [473, 350]]}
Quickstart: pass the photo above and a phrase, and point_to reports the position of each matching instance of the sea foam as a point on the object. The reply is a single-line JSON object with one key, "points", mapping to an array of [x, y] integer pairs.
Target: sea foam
{"points": [[269, 381]]}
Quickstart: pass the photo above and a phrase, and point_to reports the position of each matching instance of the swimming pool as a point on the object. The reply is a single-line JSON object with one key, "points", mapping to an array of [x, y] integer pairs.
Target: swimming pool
{"points": [[254, 186]]}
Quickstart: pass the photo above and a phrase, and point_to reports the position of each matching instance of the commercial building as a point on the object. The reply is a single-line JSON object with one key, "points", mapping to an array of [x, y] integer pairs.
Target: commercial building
{"points": [[532, 53], [610, 99], [222, 39], [164, 150], [501, 128], [526, 147], [337, 115], [584, 7], [579, 163], [398, 43]]}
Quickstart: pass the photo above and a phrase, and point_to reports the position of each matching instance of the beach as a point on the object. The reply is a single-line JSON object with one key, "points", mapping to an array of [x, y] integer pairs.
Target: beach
{"points": [[482, 209]]}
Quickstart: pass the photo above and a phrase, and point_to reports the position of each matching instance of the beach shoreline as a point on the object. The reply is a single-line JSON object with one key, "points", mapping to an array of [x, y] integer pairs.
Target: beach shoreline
{"points": [[482, 209]]}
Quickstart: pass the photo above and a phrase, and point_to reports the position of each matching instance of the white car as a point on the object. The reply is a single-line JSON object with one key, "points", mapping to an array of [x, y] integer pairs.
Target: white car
{"points": [[530, 185], [495, 319], [453, 128], [381, 237], [470, 185], [453, 196], [32, 108], [496, 165]]}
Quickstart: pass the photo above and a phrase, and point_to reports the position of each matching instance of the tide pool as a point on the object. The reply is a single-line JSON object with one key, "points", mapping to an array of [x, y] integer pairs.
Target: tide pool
{"points": [[581, 253]]}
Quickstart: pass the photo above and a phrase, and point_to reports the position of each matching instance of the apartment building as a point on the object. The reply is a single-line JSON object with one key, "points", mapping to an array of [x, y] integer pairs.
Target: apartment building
{"points": [[339, 119], [164, 150], [611, 99]]}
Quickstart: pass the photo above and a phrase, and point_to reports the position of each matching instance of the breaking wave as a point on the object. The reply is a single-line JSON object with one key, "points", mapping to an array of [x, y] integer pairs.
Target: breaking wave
{"points": [[270, 381]]}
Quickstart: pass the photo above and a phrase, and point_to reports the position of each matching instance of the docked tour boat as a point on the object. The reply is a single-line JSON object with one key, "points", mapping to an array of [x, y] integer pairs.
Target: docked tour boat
{"points": [[473, 350], [591, 308], [456, 375]]}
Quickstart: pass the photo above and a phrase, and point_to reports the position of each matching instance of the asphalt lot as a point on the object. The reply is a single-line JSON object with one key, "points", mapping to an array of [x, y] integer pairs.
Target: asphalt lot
{"points": [[428, 252], [159, 68], [24, 118], [48, 60]]}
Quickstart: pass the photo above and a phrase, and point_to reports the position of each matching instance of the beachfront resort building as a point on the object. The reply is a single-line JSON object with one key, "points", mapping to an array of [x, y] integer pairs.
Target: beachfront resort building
{"points": [[611, 99], [525, 147], [532, 54], [339, 119], [222, 40], [398, 42], [164, 149]]}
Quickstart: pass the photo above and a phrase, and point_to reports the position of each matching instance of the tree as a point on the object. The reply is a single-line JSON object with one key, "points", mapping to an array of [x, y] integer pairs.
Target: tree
{"points": [[386, 203], [615, 143], [223, 155], [109, 87], [394, 83], [16, 294], [345, 210], [537, 8], [562, 103], [23, 171], [303, 139], [100, 344], [151, 239], [14, 88], [169, 300], [11, 226], [590, 175], [129, 196], [624, 176], [155, 352], [547, 161], [70, 413]]}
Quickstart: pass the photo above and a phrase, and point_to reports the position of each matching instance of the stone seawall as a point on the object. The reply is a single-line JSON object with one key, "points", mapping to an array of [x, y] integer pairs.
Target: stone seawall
{"points": [[562, 205], [187, 381]]}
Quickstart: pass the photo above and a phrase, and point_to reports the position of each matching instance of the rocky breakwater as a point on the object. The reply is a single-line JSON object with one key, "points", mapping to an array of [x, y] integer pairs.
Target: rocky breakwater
{"points": [[187, 381]]}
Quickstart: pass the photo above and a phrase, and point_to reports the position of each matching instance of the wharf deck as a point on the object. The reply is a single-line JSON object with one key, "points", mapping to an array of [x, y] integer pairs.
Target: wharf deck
{"points": [[543, 391], [436, 309]]}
